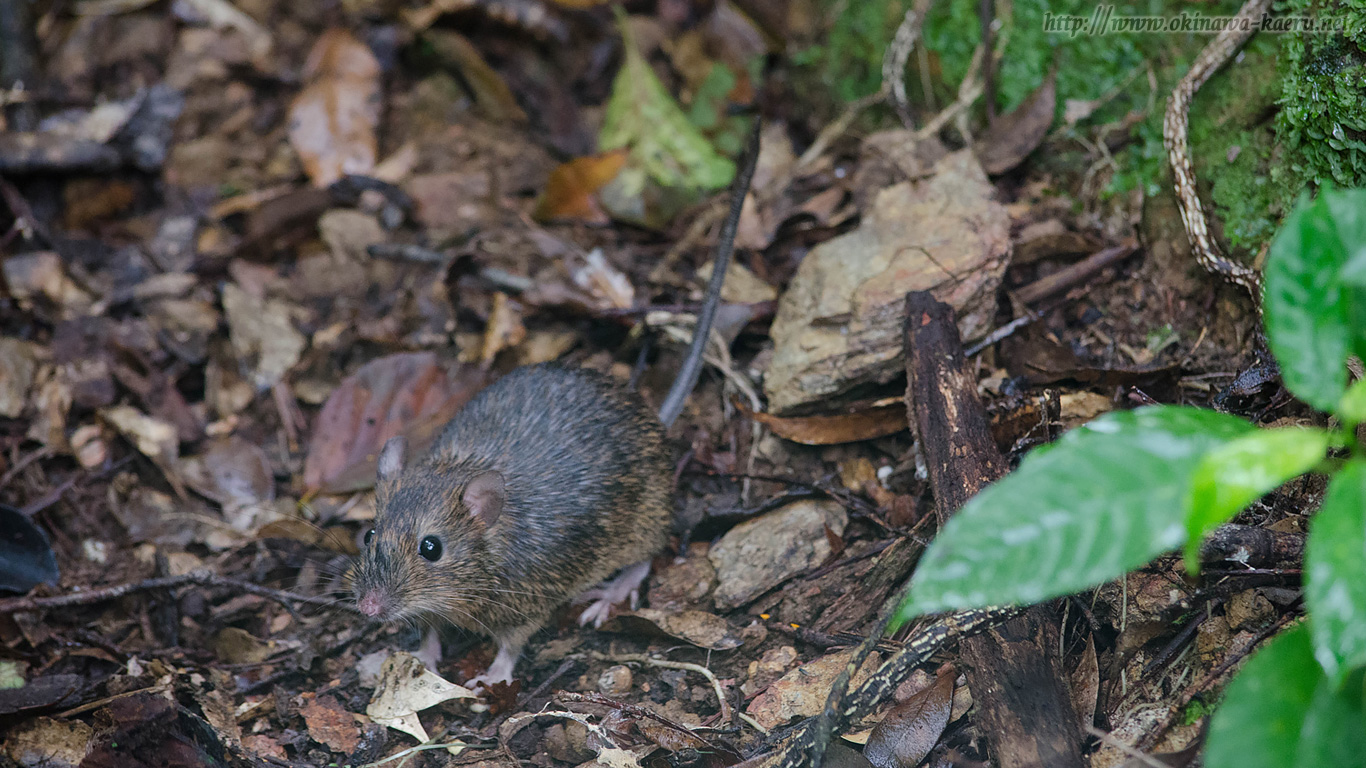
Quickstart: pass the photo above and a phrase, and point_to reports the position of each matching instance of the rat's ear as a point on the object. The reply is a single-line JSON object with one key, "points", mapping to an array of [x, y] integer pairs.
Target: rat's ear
{"points": [[391, 459], [484, 496]]}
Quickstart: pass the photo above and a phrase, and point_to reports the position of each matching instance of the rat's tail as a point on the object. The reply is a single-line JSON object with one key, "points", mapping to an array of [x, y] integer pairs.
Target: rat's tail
{"points": [[725, 245]]}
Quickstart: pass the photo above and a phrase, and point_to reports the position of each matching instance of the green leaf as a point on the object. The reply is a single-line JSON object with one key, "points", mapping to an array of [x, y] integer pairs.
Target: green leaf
{"points": [[1334, 732], [1306, 306], [1352, 407], [1348, 208], [643, 116], [1259, 723], [1234, 475], [1335, 573], [1104, 499]]}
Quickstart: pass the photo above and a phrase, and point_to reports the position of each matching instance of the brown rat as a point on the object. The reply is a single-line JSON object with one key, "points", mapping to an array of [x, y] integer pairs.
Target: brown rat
{"points": [[544, 484]]}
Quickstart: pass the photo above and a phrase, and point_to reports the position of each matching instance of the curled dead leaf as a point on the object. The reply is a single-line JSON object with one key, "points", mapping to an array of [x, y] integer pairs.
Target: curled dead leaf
{"points": [[405, 688], [705, 630], [830, 430], [407, 393], [569, 192], [1015, 135], [262, 331], [911, 729], [329, 723]]}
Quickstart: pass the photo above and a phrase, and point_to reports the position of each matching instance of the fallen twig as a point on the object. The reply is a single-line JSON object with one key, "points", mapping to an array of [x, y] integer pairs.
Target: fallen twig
{"points": [[201, 578], [1077, 273], [640, 658]]}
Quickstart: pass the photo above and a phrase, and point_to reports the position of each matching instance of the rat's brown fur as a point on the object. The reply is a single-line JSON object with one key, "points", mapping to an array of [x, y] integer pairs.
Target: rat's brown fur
{"points": [[588, 487]]}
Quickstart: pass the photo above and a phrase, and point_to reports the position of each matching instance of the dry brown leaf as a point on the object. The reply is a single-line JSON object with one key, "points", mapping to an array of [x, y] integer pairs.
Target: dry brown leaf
{"points": [[405, 688], [220, 714], [491, 94], [408, 394], [232, 471], [910, 730], [40, 273], [606, 284], [238, 646], [50, 743], [803, 691], [332, 122], [1020, 132], [263, 334], [334, 538], [830, 430], [18, 366], [329, 723], [705, 630], [223, 14], [154, 438], [569, 192], [504, 328], [1085, 684], [264, 746], [741, 286]]}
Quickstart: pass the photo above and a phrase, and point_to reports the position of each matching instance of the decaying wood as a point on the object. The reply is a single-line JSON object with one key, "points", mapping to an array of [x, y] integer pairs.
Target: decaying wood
{"points": [[850, 609], [1013, 670]]}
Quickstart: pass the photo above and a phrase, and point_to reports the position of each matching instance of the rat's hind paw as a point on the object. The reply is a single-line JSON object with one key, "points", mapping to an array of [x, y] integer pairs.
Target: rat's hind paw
{"points": [[626, 586]]}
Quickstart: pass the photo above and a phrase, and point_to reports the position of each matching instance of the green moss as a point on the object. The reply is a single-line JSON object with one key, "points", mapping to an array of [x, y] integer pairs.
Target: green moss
{"points": [[1232, 140], [1292, 105], [1322, 121], [847, 60]]}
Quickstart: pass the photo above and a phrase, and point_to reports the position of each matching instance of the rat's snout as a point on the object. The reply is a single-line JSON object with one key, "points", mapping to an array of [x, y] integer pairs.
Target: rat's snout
{"points": [[374, 603]]}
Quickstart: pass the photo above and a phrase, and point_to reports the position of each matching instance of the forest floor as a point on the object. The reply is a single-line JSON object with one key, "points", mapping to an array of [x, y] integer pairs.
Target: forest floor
{"points": [[245, 242]]}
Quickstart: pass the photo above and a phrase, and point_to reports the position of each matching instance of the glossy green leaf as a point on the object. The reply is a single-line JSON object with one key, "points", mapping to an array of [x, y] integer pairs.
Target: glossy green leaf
{"points": [[1259, 723], [1306, 306], [1234, 475], [1104, 499], [1352, 407], [1348, 209], [642, 115], [1334, 731], [1335, 573]]}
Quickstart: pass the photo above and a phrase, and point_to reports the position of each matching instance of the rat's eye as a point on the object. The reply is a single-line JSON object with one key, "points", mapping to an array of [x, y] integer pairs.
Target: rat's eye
{"points": [[369, 537], [430, 548]]}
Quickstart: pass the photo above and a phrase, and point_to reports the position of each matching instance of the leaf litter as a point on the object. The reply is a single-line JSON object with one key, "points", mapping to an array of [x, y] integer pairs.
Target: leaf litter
{"points": [[215, 317]]}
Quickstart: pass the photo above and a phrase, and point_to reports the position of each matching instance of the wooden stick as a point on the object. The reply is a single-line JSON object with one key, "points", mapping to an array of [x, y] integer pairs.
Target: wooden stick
{"points": [[1014, 671]]}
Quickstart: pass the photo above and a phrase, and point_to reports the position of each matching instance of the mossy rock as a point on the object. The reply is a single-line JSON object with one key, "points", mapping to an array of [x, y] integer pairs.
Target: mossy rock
{"points": [[1233, 148], [1322, 121]]}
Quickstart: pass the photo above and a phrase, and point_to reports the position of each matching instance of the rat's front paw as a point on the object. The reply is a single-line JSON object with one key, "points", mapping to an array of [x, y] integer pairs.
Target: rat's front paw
{"points": [[498, 672]]}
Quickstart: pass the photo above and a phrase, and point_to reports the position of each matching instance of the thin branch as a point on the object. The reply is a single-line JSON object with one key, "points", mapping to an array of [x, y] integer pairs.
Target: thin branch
{"points": [[203, 578]]}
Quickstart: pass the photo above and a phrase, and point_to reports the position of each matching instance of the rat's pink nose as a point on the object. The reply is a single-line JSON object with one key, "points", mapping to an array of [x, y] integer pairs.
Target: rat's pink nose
{"points": [[371, 604]]}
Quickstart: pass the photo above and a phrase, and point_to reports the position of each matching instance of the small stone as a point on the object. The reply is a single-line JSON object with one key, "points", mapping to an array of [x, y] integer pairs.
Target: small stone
{"points": [[1212, 637], [757, 554], [772, 665], [568, 742], [754, 634], [615, 681], [1249, 609]]}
